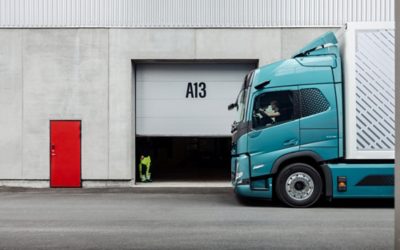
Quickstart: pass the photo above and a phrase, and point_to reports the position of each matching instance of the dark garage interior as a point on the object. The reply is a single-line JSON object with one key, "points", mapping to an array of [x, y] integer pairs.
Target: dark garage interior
{"points": [[186, 158]]}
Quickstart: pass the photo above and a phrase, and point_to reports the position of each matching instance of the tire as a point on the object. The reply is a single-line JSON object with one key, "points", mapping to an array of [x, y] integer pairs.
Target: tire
{"points": [[299, 185]]}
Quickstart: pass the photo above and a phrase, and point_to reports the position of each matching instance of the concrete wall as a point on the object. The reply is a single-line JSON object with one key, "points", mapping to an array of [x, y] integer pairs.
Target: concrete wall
{"points": [[87, 74], [11, 104]]}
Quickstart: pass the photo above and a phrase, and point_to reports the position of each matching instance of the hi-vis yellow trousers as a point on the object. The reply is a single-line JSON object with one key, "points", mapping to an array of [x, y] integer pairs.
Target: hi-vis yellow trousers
{"points": [[145, 162]]}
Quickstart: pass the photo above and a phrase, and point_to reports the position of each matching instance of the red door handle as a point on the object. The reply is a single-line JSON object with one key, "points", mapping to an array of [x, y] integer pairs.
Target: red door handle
{"points": [[53, 150]]}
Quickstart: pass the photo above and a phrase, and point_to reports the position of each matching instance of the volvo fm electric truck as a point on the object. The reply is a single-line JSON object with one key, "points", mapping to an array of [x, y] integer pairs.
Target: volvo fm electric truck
{"points": [[320, 124]]}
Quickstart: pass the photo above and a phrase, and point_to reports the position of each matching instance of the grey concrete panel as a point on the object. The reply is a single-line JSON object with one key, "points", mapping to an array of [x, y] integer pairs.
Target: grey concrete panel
{"points": [[132, 164], [120, 106], [11, 104], [94, 102], [65, 77], [293, 39], [152, 44], [262, 44]]}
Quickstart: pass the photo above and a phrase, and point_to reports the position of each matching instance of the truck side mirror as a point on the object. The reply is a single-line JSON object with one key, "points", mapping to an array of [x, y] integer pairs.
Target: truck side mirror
{"points": [[232, 106]]}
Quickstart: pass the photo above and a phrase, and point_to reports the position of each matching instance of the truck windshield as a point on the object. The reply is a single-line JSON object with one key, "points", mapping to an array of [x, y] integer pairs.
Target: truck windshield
{"points": [[242, 98], [242, 104]]}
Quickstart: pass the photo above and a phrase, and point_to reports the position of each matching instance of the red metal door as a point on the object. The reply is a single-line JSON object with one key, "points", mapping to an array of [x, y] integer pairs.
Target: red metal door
{"points": [[65, 153]]}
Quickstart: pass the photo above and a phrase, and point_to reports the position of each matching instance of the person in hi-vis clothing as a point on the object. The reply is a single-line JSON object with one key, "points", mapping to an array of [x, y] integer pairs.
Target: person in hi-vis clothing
{"points": [[144, 165]]}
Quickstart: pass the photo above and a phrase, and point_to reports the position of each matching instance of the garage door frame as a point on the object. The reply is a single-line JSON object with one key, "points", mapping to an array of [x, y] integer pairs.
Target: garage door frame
{"points": [[135, 62]]}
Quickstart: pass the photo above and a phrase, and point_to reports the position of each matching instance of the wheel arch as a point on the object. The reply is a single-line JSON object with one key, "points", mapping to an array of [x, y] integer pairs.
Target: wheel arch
{"points": [[311, 158]]}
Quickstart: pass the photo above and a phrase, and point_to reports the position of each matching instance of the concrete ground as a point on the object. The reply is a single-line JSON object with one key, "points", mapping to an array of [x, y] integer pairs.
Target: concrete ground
{"points": [[184, 218]]}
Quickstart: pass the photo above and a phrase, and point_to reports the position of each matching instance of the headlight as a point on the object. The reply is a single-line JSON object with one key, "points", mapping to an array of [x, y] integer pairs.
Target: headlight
{"points": [[239, 174], [237, 166]]}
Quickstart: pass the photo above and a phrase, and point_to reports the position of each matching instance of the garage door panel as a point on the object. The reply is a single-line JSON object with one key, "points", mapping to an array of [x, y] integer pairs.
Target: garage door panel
{"points": [[167, 106], [204, 127], [177, 90], [183, 108], [191, 72]]}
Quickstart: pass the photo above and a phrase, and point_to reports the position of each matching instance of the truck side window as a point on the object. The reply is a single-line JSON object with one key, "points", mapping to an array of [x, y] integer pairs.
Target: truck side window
{"points": [[274, 108], [312, 102]]}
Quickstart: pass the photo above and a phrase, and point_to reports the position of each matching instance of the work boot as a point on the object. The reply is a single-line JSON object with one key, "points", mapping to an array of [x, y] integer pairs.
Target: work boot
{"points": [[148, 177]]}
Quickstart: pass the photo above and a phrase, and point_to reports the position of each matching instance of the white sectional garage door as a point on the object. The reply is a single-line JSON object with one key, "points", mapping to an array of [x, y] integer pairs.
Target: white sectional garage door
{"points": [[187, 99]]}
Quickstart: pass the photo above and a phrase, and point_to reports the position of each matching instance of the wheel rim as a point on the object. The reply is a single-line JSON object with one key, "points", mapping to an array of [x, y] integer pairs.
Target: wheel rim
{"points": [[299, 186]]}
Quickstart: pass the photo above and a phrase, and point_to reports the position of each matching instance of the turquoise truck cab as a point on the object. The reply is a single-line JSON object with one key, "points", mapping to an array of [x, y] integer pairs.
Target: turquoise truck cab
{"points": [[289, 140]]}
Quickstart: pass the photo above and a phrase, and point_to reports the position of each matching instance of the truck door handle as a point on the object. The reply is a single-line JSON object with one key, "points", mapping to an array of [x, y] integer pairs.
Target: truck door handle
{"points": [[291, 142], [254, 134]]}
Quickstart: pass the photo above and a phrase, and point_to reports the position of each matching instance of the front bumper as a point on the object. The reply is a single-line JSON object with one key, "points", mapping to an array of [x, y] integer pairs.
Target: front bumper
{"points": [[247, 191], [242, 183]]}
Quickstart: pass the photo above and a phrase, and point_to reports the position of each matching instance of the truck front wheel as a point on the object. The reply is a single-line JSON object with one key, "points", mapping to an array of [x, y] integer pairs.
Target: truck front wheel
{"points": [[298, 185]]}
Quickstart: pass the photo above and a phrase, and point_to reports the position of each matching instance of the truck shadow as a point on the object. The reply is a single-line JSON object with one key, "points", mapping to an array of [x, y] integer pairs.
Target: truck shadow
{"points": [[359, 203], [338, 203]]}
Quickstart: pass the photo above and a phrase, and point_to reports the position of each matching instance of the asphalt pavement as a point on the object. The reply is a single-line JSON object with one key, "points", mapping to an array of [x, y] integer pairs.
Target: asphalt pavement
{"points": [[184, 218]]}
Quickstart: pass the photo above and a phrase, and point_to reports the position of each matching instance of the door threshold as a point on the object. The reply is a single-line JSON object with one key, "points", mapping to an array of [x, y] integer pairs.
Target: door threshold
{"points": [[184, 184]]}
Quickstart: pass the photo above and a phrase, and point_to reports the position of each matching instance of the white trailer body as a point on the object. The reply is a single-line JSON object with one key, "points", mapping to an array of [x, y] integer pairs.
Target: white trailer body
{"points": [[369, 97]]}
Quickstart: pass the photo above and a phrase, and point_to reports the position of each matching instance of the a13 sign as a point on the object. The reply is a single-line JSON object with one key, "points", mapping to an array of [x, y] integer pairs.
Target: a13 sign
{"points": [[196, 90]]}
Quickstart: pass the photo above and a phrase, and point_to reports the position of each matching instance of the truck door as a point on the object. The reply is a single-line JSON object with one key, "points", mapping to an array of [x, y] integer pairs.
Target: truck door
{"points": [[319, 123], [275, 127]]}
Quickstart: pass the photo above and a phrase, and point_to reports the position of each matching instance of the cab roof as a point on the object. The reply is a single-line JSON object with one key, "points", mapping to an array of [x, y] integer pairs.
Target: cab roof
{"points": [[317, 62]]}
